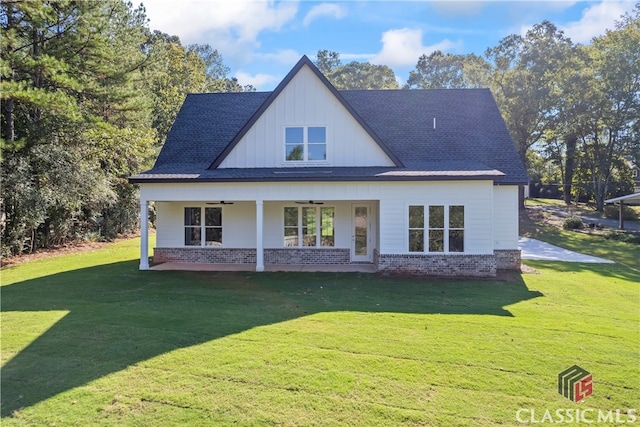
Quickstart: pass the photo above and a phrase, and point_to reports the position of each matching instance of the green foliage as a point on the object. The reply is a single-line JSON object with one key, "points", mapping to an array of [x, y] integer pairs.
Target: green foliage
{"points": [[355, 75], [525, 71], [613, 212], [440, 70], [621, 236], [573, 223], [88, 94]]}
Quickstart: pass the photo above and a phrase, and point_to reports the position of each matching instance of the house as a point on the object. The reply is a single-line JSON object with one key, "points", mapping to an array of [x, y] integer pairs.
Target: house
{"points": [[410, 181], [635, 171]]}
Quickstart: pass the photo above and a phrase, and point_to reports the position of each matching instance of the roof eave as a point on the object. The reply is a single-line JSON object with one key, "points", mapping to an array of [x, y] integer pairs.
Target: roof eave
{"points": [[175, 180]]}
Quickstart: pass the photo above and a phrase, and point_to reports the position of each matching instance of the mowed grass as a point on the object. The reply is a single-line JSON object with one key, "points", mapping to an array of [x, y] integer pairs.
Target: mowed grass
{"points": [[87, 339]]}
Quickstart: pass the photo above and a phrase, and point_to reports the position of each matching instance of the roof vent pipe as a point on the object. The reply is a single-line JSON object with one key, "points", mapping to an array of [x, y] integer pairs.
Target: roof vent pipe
{"points": [[434, 122]]}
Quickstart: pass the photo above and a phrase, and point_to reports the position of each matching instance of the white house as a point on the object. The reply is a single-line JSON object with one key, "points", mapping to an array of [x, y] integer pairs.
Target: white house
{"points": [[414, 181]]}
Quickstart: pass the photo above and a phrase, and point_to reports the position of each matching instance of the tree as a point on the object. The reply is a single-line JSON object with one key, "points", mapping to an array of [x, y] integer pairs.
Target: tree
{"points": [[440, 70], [610, 124], [363, 75], [327, 61], [524, 72], [70, 70], [355, 75]]}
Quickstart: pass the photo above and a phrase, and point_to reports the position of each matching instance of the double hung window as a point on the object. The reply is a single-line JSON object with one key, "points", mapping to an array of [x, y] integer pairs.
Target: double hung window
{"points": [[440, 230], [196, 225], [305, 144]]}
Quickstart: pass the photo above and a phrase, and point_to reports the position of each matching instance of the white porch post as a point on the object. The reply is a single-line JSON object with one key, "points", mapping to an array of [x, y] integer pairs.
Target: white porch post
{"points": [[259, 234], [144, 235]]}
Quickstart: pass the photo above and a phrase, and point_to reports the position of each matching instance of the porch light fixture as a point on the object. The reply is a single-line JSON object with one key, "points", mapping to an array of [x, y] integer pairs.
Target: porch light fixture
{"points": [[221, 202], [310, 202]]}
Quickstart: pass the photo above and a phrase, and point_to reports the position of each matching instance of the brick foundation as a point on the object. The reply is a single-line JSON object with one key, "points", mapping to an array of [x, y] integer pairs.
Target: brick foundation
{"points": [[438, 265], [307, 256], [248, 256], [205, 255], [508, 259], [416, 264]]}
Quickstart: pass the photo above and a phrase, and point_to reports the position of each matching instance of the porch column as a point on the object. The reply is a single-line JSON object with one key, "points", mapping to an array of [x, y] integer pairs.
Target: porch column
{"points": [[259, 233], [144, 235], [621, 217]]}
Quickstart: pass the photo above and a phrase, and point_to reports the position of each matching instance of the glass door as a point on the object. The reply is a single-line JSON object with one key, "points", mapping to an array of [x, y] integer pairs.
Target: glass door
{"points": [[361, 237]]}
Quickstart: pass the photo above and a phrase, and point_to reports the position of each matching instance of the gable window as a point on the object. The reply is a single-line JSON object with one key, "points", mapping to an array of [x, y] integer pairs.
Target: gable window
{"points": [[441, 231], [309, 227], [305, 144], [195, 227]]}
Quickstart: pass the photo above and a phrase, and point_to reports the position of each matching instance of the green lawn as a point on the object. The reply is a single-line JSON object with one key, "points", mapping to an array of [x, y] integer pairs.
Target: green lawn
{"points": [[87, 339]]}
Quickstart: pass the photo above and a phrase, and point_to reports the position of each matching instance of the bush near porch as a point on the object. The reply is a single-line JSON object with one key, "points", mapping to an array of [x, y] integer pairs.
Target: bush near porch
{"points": [[87, 339]]}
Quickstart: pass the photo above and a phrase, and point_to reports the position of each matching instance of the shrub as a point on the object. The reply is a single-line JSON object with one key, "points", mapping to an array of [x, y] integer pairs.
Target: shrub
{"points": [[573, 223], [623, 237], [611, 211]]}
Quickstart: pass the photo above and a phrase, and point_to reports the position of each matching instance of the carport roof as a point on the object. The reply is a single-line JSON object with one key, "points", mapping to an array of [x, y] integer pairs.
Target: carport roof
{"points": [[629, 199]]}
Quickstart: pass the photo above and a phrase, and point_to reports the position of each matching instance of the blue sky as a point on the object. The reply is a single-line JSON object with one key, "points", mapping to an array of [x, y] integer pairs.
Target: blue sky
{"points": [[261, 40]]}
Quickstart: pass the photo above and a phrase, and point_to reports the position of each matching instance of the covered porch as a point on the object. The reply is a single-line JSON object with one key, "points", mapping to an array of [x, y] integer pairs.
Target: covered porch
{"points": [[262, 235]]}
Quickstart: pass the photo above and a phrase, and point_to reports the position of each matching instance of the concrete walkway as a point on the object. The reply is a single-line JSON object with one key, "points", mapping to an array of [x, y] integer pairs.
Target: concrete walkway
{"points": [[537, 250]]}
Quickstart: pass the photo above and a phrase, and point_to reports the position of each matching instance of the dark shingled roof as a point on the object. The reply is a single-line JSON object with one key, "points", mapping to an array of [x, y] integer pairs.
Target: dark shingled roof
{"points": [[470, 139]]}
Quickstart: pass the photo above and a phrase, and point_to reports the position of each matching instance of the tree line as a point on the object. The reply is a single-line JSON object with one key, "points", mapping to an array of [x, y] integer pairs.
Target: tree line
{"points": [[89, 93]]}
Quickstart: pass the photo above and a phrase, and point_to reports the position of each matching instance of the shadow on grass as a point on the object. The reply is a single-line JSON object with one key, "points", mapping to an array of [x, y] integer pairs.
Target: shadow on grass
{"points": [[119, 316], [605, 270]]}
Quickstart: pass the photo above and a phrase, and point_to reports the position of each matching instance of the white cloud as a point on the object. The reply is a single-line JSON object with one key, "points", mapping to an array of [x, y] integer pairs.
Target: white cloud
{"points": [[239, 20], [596, 20], [331, 10], [259, 81], [404, 46], [284, 56]]}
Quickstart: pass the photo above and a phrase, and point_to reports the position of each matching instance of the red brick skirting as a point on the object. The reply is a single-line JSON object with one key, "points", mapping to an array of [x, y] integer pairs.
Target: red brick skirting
{"points": [[418, 264], [284, 256]]}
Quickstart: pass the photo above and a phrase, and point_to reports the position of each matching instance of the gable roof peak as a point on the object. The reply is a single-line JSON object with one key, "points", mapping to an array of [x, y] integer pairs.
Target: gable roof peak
{"points": [[276, 92]]}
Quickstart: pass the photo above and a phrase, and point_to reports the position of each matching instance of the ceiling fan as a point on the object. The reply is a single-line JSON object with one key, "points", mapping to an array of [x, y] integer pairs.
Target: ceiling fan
{"points": [[310, 202], [221, 202]]}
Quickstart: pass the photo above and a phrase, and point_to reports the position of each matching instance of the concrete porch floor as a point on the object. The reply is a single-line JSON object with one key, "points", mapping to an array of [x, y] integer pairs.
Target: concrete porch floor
{"points": [[328, 268]]}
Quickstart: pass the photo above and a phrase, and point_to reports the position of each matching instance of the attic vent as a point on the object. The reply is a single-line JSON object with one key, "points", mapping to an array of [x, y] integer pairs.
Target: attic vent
{"points": [[303, 172]]}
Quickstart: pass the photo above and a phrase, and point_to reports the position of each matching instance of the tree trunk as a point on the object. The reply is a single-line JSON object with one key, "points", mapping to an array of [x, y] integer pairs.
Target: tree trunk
{"points": [[570, 142]]}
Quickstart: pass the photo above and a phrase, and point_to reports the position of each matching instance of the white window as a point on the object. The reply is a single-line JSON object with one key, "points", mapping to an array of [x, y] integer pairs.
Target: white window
{"points": [[305, 144], [442, 230], [310, 226], [195, 227]]}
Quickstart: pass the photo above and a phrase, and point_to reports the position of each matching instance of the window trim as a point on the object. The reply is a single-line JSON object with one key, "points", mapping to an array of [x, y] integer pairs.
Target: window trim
{"points": [[305, 145], [318, 227], [446, 229], [203, 226]]}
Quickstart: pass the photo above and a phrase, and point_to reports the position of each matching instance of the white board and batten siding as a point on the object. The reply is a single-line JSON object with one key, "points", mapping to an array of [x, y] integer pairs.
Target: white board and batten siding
{"points": [[305, 101], [491, 220], [476, 197], [505, 217], [239, 223]]}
